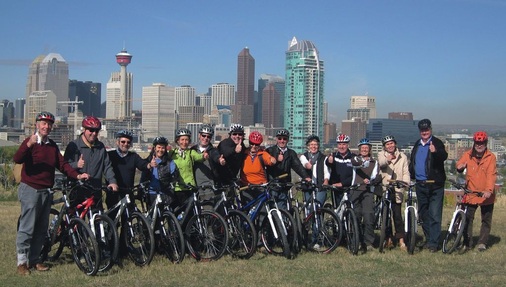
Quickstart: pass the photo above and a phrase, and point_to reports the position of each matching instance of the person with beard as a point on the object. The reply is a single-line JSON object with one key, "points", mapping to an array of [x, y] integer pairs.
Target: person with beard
{"points": [[481, 175]]}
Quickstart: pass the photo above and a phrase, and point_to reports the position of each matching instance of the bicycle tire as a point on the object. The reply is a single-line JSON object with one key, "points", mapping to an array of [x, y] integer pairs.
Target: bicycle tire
{"points": [[84, 246], [243, 237], [352, 230], [171, 237], [297, 248], [324, 237], [206, 236], [275, 245], [51, 251], [453, 239], [139, 239], [383, 228], [108, 242], [411, 232]]}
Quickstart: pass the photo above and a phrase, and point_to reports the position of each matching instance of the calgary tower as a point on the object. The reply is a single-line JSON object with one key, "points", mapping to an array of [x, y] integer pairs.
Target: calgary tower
{"points": [[123, 58]]}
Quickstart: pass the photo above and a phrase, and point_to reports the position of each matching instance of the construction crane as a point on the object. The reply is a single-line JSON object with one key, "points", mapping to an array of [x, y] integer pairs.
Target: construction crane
{"points": [[74, 104]]}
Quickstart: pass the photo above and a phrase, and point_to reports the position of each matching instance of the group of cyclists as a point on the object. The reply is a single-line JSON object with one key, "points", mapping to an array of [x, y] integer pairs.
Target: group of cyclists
{"points": [[177, 171]]}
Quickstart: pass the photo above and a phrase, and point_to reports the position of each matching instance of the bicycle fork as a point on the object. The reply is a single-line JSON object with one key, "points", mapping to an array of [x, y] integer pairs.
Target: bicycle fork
{"points": [[271, 221], [406, 221]]}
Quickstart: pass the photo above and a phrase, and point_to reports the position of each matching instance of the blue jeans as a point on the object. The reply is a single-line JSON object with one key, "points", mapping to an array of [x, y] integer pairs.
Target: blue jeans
{"points": [[430, 211], [280, 197]]}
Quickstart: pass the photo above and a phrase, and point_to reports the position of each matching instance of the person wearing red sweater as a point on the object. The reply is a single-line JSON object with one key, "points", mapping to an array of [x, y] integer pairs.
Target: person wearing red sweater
{"points": [[40, 157]]}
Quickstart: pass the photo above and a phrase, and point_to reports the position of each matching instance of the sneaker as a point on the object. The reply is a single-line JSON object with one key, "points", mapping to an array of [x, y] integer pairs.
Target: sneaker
{"points": [[432, 249], [316, 246], [40, 267], [369, 248], [403, 246], [389, 244], [23, 269], [482, 247]]}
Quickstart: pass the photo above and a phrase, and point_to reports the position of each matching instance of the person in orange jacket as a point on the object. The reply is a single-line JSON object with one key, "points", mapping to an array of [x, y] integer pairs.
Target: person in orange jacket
{"points": [[253, 168], [481, 175]]}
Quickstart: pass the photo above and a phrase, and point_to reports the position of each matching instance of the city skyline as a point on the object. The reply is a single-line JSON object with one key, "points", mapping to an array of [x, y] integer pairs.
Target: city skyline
{"points": [[437, 59]]}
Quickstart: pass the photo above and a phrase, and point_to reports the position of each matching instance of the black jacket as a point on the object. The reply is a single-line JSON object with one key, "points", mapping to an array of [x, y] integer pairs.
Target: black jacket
{"points": [[341, 170], [290, 161], [229, 172], [434, 163]]}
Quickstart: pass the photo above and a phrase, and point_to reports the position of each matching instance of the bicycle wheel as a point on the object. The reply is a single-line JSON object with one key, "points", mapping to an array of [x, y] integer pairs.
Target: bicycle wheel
{"points": [[411, 232], [243, 236], [323, 231], [299, 238], [274, 237], [291, 231], [206, 236], [107, 238], [352, 231], [84, 246], [52, 249], [171, 237], [139, 239], [453, 238], [383, 227]]}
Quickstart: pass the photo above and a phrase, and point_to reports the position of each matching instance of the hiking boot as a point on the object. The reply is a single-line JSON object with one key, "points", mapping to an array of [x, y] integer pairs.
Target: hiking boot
{"points": [[23, 269], [482, 247]]}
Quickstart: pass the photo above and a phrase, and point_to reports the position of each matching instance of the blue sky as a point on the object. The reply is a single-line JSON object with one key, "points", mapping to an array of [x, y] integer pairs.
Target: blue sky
{"points": [[442, 59]]}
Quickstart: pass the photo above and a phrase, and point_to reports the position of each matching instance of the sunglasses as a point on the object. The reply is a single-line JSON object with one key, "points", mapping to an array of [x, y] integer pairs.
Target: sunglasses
{"points": [[252, 144], [93, 130], [237, 134], [125, 142], [479, 143], [282, 138], [206, 136]]}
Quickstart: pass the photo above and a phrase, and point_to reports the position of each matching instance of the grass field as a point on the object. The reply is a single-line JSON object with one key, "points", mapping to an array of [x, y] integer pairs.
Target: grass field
{"points": [[393, 268]]}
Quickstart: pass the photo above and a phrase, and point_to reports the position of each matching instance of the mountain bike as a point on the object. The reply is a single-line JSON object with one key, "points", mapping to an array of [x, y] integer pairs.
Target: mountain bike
{"points": [[168, 234], [275, 225], [454, 236], [101, 225], [206, 232], [136, 231], [344, 211], [322, 229], [243, 236], [66, 229]]}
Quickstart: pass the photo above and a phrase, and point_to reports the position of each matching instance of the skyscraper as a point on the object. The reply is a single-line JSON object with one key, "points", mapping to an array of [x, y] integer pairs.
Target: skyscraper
{"points": [[19, 113], [279, 85], [361, 102], [304, 81], [88, 92], [113, 108], [48, 73], [244, 110], [222, 94], [185, 96], [158, 115]]}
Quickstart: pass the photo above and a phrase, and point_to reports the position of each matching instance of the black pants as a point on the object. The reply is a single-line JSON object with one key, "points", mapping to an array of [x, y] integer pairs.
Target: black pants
{"points": [[486, 223], [364, 209]]}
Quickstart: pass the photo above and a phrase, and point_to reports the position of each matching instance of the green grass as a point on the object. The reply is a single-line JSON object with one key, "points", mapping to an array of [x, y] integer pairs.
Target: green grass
{"points": [[393, 268]]}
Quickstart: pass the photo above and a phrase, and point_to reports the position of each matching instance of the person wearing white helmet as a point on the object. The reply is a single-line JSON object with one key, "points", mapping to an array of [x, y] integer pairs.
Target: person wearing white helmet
{"points": [[394, 166]]}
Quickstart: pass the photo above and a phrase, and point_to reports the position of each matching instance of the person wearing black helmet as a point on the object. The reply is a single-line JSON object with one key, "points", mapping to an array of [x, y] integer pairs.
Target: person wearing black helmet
{"points": [[427, 163], [232, 149], [206, 171], [88, 154], [286, 161], [162, 173], [314, 162], [340, 165], [394, 166], [124, 163], [40, 157]]}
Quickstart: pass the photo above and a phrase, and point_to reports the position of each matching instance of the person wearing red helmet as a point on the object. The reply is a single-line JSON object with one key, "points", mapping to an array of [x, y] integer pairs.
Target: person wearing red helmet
{"points": [[481, 175], [40, 157], [253, 168], [88, 154]]}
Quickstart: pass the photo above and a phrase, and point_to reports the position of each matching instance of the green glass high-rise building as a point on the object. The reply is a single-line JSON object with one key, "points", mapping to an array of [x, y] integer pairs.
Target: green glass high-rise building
{"points": [[304, 86]]}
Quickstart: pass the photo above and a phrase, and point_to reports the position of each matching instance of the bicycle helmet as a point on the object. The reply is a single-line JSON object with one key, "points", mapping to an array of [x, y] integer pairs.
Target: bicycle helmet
{"points": [[236, 128], [46, 116], [480, 136], [160, 141], [388, 138], [342, 138], [364, 141], [125, 134], [312, 138], [91, 122], [206, 129], [424, 124], [256, 138], [283, 133], [183, 132]]}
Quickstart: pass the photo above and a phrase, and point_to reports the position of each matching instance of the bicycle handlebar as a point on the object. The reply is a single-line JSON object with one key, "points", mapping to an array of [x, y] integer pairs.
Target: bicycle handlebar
{"points": [[274, 181], [340, 189], [464, 188]]}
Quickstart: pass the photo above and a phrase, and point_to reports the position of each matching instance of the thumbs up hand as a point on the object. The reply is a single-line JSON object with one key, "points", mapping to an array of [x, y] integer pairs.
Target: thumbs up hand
{"points": [[222, 160], [80, 162], [432, 148]]}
